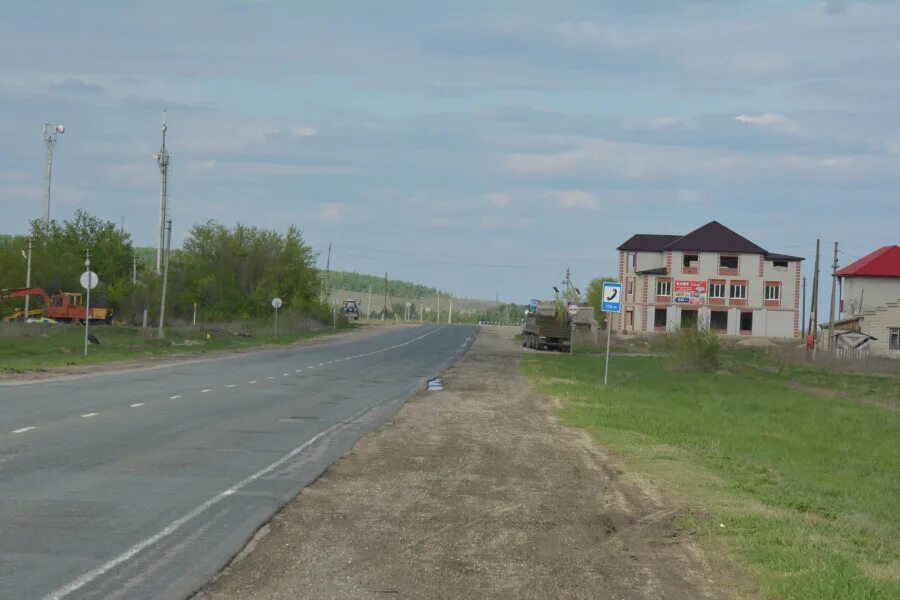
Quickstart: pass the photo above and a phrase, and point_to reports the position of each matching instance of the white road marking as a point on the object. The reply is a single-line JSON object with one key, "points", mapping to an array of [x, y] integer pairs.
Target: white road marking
{"points": [[88, 415], [174, 397], [285, 374], [23, 429], [231, 386], [205, 391], [269, 377], [179, 523], [254, 381], [136, 404], [298, 370], [321, 364], [311, 367]]}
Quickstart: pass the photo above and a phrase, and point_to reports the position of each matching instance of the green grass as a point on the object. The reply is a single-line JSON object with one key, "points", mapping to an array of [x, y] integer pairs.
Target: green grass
{"points": [[800, 465], [62, 345]]}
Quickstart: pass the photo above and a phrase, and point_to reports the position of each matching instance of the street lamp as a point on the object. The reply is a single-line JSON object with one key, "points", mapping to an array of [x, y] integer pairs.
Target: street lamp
{"points": [[50, 133]]}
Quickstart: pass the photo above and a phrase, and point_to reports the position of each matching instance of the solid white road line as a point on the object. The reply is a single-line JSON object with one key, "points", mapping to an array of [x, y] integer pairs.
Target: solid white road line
{"points": [[177, 524], [136, 404], [88, 415], [231, 386], [23, 429], [174, 397]]}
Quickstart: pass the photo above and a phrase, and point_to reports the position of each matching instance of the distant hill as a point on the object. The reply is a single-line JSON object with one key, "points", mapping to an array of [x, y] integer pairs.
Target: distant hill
{"points": [[359, 282]]}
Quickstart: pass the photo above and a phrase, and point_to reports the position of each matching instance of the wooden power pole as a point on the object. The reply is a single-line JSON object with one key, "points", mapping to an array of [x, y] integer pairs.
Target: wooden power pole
{"points": [[384, 309], [814, 301]]}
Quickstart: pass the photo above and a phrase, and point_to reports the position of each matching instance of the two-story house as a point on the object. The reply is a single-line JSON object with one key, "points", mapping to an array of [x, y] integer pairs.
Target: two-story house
{"points": [[870, 301], [710, 277]]}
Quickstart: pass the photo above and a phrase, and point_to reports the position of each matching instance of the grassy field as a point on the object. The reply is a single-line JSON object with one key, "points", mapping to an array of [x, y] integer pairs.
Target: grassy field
{"points": [[37, 348], [791, 472]]}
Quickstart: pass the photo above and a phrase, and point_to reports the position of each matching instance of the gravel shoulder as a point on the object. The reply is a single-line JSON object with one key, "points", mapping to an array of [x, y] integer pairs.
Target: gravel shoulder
{"points": [[473, 492]]}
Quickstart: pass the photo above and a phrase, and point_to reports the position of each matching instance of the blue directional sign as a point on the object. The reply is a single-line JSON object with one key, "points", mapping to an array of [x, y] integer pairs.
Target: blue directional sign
{"points": [[612, 297]]}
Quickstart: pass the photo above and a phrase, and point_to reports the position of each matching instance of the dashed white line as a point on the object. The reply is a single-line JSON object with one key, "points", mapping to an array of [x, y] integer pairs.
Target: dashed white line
{"points": [[205, 391], [269, 377], [23, 429], [321, 364], [285, 374], [88, 415], [298, 370], [174, 397], [231, 385], [254, 381], [136, 404]]}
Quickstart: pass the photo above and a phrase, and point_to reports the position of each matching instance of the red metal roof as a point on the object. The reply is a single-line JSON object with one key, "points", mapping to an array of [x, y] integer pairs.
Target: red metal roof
{"points": [[884, 262]]}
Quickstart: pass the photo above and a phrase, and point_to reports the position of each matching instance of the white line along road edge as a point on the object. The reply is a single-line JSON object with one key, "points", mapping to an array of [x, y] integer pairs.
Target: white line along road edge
{"points": [[178, 523]]}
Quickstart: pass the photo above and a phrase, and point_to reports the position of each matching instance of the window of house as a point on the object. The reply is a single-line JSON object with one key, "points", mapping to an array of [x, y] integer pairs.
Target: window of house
{"points": [[739, 291], [780, 264], [689, 262], [630, 288], [688, 318], [663, 287], [728, 261], [659, 318], [631, 262], [718, 320], [717, 290], [773, 292], [746, 322], [894, 339]]}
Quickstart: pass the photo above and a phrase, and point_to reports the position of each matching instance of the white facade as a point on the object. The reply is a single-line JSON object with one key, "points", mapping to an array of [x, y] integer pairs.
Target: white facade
{"points": [[877, 301]]}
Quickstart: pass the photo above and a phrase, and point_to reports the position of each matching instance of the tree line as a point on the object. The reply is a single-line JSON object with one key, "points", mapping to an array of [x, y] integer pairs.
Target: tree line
{"points": [[230, 273]]}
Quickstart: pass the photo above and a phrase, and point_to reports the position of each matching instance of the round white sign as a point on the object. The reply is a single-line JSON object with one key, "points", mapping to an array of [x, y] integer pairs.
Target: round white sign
{"points": [[89, 280], [276, 302]]}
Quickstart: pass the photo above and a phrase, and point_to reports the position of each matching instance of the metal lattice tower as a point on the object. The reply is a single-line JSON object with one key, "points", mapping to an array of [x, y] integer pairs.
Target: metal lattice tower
{"points": [[162, 159]]}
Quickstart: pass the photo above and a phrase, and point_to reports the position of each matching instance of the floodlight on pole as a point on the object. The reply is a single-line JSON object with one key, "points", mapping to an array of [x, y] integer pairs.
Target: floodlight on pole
{"points": [[50, 133]]}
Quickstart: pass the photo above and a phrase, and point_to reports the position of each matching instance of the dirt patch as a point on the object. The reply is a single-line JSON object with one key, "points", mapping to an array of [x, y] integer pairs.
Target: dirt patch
{"points": [[474, 492]]}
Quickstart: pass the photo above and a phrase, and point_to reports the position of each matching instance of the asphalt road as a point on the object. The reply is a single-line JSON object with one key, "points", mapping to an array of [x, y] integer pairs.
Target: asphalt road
{"points": [[144, 484]]}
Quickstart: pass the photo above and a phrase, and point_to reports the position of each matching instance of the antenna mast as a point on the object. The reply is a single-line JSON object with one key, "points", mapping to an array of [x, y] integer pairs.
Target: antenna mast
{"points": [[162, 159]]}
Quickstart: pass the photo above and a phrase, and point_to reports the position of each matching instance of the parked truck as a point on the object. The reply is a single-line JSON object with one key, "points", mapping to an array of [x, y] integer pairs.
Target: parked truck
{"points": [[543, 328], [350, 310], [64, 306]]}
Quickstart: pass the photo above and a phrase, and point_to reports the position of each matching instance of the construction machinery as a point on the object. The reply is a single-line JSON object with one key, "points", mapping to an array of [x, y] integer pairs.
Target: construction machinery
{"points": [[350, 310], [63, 307], [546, 327]]}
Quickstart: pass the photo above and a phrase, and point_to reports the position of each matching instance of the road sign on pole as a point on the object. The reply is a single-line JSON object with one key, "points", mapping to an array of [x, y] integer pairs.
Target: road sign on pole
{"points": [[89, 281], [611, 303], [612, 297], [276, 304]]}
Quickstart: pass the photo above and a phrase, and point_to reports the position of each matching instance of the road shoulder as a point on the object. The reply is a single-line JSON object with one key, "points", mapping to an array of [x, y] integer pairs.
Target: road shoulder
{"points": [[473, 492]]}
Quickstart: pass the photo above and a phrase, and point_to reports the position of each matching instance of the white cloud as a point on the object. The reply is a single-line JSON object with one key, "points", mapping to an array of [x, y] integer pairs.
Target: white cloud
{"points": [[332, 212], [772, 120], [577, 199]]}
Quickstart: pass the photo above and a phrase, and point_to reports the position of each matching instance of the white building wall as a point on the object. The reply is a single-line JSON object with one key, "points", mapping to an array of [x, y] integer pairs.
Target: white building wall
{"points": [[873, 291], [878, 323]]}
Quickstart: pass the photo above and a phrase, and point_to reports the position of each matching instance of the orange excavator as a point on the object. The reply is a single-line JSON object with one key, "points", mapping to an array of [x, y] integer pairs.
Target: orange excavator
{"points": [[64, 306]]}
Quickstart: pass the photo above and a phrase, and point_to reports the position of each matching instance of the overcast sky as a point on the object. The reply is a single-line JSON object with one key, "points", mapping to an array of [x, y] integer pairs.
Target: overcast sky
{"points": [[477, 146]]}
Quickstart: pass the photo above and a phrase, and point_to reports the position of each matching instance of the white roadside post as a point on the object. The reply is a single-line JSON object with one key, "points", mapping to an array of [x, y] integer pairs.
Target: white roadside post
{"points": [[88, 281], [612, 303], [276, 304]]}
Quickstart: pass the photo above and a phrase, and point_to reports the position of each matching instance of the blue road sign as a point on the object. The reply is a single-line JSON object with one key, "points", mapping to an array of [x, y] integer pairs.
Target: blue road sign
{"points": [[612, 297]]}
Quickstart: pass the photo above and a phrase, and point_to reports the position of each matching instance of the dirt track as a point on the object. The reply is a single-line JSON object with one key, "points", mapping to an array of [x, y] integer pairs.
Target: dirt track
{"points": [[475, 492]]}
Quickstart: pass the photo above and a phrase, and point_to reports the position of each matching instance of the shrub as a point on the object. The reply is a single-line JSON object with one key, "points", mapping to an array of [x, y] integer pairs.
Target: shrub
{"points": [[695, 348]]}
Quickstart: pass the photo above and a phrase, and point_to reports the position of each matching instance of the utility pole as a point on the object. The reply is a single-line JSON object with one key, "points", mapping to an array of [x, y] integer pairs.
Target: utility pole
{"points": [[162, 304], [50, 133], [87, 307], [369, 305], [162, 159], [439, 309], [834, 266], [803, 312], [384, 310], [327, 286], [814, 301], [27, 278], [450, 313], [133, 269]]}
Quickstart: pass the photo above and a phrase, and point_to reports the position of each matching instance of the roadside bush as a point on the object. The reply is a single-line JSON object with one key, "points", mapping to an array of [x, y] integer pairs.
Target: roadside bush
{"points": [[695, 349]]}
